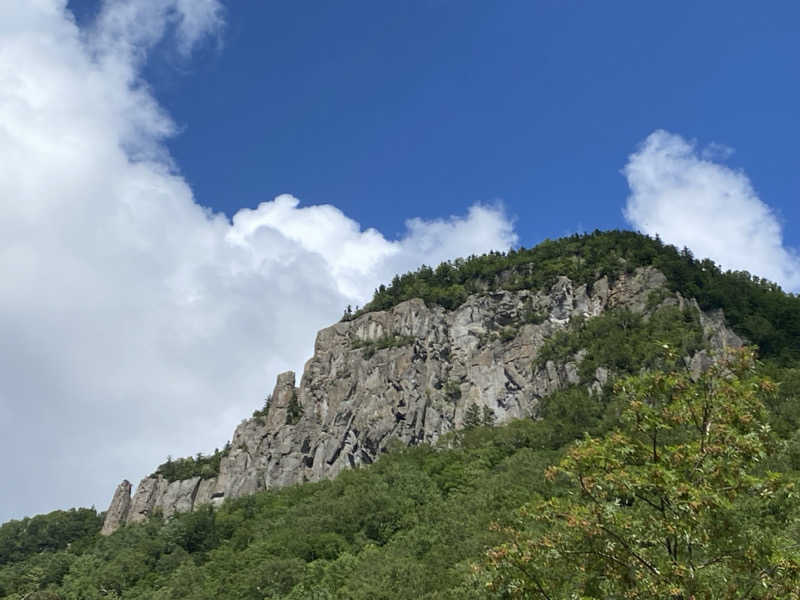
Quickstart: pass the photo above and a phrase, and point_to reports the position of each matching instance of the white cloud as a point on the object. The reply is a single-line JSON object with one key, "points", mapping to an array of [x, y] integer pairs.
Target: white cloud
{"points": [[127, 29], [690, 200], [358, 259], [135, 323]]}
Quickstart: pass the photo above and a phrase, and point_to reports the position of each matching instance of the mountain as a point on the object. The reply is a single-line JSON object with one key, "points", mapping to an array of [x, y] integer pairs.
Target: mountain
{"points": [[530, 341], [412, 373]]}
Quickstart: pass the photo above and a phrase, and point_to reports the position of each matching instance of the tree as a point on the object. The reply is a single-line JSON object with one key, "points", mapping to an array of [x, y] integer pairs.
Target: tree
{"points": [[294, 410], [672, 504], [348, 312], [472, 416]]}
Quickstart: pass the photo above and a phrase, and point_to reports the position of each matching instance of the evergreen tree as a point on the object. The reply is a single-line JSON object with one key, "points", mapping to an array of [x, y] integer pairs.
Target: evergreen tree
{"points": [[488, 417], [472, 417]]}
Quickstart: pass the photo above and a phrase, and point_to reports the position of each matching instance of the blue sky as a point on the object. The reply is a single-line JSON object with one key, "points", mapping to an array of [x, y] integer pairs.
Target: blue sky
{"points": [[390, 110], [191, 189]]}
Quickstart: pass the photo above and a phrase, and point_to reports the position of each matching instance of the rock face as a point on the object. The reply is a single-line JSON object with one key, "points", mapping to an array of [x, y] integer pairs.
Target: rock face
{"points": [[407, 375], [117, 513]]}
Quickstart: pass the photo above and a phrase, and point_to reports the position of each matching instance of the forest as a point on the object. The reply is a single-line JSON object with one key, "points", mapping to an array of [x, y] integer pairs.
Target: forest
{"points": [[667, 485]]}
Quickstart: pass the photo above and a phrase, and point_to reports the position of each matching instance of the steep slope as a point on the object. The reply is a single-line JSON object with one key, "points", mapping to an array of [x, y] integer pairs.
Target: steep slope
{"points": [[540, 333], [413, 372]]}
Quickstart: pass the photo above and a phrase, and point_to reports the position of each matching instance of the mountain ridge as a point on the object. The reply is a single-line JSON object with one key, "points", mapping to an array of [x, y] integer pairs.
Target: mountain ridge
{"points": [[408, 375], [418, 521]]}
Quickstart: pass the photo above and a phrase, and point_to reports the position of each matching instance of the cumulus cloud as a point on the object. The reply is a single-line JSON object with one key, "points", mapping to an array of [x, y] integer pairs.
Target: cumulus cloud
{"points": [[136, 323], [691, 199]]}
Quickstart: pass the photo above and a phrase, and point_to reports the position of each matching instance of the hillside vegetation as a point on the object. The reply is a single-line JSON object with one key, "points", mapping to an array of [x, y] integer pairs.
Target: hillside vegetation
{"points": [[533, 509], [416, 524], [756, 308]]}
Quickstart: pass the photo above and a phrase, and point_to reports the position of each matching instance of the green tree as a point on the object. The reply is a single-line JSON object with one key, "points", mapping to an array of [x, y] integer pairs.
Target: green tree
{"points": [[472, 416], [672, 504], [294, 411]]}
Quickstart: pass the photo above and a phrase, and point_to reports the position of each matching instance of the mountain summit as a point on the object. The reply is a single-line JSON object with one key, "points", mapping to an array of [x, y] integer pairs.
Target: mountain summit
{"points": [[493, 336], [466, 430]]}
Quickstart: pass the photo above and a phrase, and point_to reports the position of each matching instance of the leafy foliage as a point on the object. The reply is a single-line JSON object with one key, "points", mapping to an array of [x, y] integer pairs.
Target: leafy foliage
{"points": [[624, 341], [472, 416], [755, 308], [413, 524], [262, 412], [47, 533], [672, 504], [199, 466], [294, 410], [406, 527]]}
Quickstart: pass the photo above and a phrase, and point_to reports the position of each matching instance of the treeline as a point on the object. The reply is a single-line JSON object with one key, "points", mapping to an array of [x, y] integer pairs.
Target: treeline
{"points": [[204, 466], [756, 308], [19, 539]]}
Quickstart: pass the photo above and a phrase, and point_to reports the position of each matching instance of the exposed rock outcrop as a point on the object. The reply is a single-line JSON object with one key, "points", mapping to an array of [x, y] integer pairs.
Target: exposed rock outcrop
{"points": [[408, 375], [117, 513], [148, 495]]}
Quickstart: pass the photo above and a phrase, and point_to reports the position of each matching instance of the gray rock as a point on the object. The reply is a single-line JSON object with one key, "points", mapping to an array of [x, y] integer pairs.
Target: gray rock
{"points": [[408, 375], [699, 364], [179, 496], [205, 492], [715, 330], [147, 496], [117, 512]]}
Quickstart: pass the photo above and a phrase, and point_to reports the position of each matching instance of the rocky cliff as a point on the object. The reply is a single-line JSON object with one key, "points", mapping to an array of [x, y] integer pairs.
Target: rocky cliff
{"points": [[407, 375]]}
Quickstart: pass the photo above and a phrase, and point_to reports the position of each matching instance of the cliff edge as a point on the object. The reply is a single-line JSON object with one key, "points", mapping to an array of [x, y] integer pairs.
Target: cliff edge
{"points": [[408, 375]]}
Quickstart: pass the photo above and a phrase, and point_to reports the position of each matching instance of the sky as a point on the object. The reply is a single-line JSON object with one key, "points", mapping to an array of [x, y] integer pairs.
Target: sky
{"points": [[190, 189]]}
